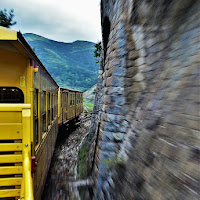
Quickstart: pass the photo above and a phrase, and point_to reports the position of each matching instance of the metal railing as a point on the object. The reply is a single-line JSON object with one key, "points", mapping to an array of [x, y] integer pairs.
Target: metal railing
{"points": [[15, 124], [27, 178]]}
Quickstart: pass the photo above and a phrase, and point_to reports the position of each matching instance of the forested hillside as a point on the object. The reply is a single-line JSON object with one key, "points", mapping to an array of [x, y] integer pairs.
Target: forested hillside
{"points": [[71, 64]]}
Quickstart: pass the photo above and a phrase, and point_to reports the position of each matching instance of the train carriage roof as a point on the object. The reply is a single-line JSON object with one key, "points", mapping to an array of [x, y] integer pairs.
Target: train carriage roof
{"points": [[70, 90], [21, 44]]}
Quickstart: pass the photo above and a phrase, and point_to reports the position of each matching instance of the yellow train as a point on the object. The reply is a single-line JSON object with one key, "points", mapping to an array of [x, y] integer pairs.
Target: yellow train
{"points": [[32, 106]]}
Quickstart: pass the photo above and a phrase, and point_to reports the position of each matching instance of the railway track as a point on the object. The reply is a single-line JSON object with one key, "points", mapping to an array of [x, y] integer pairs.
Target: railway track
{"points": [[84, 118], [62, 177]]}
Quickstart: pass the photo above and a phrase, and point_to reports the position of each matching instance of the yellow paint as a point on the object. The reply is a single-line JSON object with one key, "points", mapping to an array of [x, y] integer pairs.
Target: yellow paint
{"points": [[7, 34], [22, 160], [10, 117], [10, 181], [35, 70], [13, 66], [28, 182], [13, 107], [10, 158], [10, 131], [10, 193], [59, 106], [10, 147], [11, 170], [22, 81], [28, 191]]}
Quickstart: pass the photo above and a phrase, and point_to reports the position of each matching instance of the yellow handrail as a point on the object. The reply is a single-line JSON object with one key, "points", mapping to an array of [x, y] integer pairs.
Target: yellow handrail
{"points": [[27, 188]]}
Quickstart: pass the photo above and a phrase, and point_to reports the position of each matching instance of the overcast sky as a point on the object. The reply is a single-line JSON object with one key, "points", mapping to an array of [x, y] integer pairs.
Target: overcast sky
{"points": [[60, 20]]}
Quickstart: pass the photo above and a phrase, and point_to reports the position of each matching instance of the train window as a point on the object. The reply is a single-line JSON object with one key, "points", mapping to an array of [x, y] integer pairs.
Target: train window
{"points": [[74, 99], [70, 98], [35, 111], [52, 103], [11, 95], [43, 109], [48, 109], [56, 105], [61, 99], [64, 100]]}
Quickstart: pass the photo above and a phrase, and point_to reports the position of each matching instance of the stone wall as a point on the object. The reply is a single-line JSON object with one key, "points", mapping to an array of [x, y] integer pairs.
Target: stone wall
{"points": [[145, 134]]}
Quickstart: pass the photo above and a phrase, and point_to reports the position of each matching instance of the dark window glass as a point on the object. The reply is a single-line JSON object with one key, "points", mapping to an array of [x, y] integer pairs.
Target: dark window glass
{"points": [[65, 100], [35, 110], [48, 106], [52, 104], [61, 99], [70, 97], [56, 105], [11, 95], [43, 103]]}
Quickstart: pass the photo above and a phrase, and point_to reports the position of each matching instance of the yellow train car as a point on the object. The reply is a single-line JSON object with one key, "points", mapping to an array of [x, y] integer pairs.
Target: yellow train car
{"points": [[79, 103], [70, 105], [28, 101], [31, 107]]}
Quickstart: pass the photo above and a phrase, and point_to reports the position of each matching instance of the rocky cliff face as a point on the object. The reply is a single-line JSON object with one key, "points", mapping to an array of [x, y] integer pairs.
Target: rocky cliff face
{"points": [[145, 133]]}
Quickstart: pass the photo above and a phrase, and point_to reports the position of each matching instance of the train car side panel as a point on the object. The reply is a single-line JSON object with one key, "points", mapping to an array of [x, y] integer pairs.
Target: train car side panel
{"points": [[45, 125]]}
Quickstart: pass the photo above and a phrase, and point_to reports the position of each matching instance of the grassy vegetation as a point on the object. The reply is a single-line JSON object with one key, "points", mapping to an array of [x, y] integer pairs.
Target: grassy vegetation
{"points": [[82, 160], [89, 95], [88, 107]]}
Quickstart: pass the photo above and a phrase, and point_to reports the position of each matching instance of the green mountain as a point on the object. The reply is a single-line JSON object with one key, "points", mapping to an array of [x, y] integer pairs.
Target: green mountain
{"points": [[72, 65], [89, 95]]}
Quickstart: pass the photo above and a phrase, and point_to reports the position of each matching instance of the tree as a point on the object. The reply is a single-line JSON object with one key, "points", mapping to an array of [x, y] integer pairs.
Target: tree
{"points": [[97, 51], [6, 18]]}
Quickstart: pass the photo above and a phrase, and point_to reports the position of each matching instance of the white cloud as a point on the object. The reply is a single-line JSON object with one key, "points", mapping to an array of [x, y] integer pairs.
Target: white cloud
{"points": [[61, 20]]}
